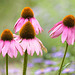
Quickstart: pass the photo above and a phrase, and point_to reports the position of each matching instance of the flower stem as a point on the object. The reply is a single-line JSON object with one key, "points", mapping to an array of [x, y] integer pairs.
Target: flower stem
{"points": [[25, 62], [63, 59], [6, 64]]}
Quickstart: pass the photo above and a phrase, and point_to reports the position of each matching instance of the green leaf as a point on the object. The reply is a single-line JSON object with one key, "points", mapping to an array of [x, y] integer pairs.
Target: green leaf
{"points": [[65, 66]]}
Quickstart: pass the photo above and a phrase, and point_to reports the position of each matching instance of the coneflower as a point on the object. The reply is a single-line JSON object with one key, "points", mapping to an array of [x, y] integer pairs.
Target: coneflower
{"points": [[27, 14], [8, 46], [66, 27], [29, 42]]}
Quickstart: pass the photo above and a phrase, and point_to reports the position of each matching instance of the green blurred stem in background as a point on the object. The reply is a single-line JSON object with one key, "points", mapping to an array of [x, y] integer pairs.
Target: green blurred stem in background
{"points": [[63, 59], [6, 64], [25, 62]]}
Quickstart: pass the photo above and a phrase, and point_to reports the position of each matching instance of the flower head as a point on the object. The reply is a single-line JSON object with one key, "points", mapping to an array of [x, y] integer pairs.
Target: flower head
{"points": [[8, 45], [27, 14], [28, 40], [66, 27]]}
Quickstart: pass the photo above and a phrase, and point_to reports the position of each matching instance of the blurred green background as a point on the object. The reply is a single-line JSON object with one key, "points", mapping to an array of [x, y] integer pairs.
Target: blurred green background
{"points": [[47, 12]]}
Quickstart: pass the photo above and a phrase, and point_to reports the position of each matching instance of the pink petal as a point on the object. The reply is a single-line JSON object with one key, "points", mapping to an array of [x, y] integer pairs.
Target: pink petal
{"points": [[24, 44], [64, 34], [55, 30], [5, 48], [20, 24], [36, 25], [19, 48], [17, 22], [1, 45], [25, 21], [37, 47], [58, 32], [28, 47], [10, 53], [12, 47], [58, 23], [32, 46], [55, 26], [69, 37], [73, 36]]}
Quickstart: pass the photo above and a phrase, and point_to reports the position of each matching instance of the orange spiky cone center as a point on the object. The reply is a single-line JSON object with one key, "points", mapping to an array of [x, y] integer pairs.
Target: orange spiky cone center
{"points": [[27, 31], [69, 21], [6, 35], [27, 12]]}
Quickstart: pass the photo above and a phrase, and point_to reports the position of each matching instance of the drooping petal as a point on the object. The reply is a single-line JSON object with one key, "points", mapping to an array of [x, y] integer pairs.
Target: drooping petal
{"points": [[24, 44], [1, 45], [25, 21], [17, 22], [69, 37], [39, 27], [19, 48], [20, 24], [10, 53], [61, 22], [36, 25], [14, 50], [58, 32], [40, 47], [64, 34], [72, 36], [28, 47], [55, 30], [37, 47], [5, 48], [55, 26], [32, 47], [41, 44]]}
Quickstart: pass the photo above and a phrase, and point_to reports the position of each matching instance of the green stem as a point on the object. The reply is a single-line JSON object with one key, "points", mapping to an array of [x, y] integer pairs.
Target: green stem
{"points": [[63, 59], [25, 62], [6, 64]]}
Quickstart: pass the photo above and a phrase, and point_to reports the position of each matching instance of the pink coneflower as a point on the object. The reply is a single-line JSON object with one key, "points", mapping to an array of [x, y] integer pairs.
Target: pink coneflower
{"points": [[27, 14], [66, 27], [28, 40], [8, 45]]}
